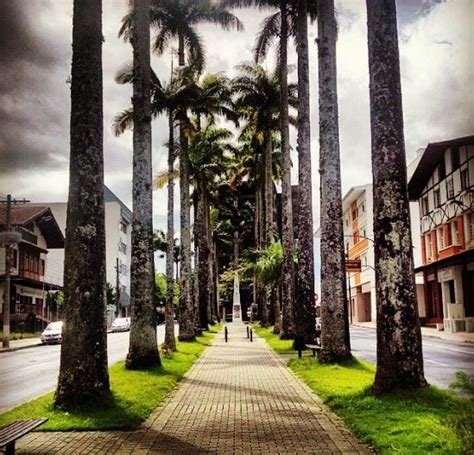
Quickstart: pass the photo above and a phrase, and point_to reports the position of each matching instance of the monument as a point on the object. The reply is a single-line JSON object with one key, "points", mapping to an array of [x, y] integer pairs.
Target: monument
{"points": [[236, 308]]}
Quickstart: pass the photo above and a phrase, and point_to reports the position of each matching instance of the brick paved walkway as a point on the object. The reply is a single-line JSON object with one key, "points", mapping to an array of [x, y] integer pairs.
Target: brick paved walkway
{"points": [[238, 398]]}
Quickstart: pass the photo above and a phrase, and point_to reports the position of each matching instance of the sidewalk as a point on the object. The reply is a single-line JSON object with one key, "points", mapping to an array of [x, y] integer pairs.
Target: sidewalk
{"points": [[15, 345], [238, 398], [460, 337]]}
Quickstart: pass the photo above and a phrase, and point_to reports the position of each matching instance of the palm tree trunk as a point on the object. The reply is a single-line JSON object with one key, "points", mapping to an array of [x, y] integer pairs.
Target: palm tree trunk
{"points": [[399, 350], [278, 318], [202, 254], [143, 347], [304, 309], [169, 342], [186, 307], [288, 243], [83, 371], [334, 322]]}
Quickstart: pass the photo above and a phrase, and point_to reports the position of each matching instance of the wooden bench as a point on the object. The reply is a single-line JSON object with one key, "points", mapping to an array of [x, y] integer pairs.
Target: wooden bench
{"points": [[16, 430]]}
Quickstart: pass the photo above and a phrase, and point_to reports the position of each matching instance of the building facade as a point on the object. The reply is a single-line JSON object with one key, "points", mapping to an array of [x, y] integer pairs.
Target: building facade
{"points": [[358, 221], [32, 278], [443, 186], [118, 230]]}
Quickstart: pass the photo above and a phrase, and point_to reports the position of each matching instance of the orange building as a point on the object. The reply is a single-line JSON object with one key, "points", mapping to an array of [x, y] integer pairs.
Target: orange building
{"points": [[443, 185]]}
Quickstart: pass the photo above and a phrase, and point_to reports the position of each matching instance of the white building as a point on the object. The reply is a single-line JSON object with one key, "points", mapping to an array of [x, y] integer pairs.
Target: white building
{"points": [[358, 222], [443, 186], [118, 219]]}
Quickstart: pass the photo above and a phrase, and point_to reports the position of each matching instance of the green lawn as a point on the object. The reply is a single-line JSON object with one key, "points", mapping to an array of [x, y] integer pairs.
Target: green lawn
{"points": [[426, 421], [134, 394], [280, 346]]}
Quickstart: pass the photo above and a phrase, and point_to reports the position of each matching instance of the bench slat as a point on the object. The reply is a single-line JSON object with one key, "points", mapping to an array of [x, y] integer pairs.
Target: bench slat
{"points": [[18, 429]]}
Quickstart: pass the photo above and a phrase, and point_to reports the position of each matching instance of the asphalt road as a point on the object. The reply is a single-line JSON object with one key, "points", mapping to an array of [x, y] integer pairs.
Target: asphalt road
{"points": [[29, 373], [442, 358]]}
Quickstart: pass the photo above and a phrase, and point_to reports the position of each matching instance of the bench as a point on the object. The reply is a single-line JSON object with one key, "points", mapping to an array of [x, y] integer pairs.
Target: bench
{"points": [[16, 430]]}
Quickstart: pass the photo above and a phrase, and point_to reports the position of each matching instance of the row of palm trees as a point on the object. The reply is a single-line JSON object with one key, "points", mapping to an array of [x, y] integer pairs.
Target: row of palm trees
{"points": [[208, 159]]}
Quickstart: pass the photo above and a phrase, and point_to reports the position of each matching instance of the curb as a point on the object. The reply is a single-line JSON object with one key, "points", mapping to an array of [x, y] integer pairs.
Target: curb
{"points": [[20, 348], [423, 335]]}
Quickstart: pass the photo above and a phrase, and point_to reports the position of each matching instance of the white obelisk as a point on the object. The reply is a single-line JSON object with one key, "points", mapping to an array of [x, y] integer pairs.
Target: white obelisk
{"points": [[236, 308]]}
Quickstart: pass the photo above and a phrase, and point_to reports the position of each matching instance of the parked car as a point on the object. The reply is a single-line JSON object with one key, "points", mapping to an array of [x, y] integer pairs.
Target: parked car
{"points": [[52, 333], [120, 325]]}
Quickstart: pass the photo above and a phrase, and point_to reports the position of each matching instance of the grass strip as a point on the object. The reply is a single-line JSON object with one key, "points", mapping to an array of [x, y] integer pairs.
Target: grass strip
{"points": [[22, 336], [405, 422], [135, 394]]}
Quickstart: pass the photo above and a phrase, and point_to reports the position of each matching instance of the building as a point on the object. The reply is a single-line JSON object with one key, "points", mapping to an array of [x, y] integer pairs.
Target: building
{"points": [[118, 219], [31, 275], [358, 221], [442, 185]]}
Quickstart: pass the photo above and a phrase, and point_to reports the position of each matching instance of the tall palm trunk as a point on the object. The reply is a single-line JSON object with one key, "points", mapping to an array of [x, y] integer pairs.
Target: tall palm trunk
{"points": [[288, 243], [335, 326], [83, 371], [143, 347], [304, 308], [202, 254], [186, 307], [399, 351], [268, 228], [169, 342]]}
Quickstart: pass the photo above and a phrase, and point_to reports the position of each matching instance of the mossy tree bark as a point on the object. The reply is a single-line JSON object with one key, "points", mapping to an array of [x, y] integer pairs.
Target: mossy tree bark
{"points": [[186, 306], [288, 243], [83, 370], [305, 315], [399, 350], [334, 322], [143, 348], [169, 342]]}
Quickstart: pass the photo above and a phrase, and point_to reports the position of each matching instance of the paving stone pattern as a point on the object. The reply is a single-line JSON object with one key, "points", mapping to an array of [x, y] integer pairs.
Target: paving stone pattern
{"points": [[238, 398]]}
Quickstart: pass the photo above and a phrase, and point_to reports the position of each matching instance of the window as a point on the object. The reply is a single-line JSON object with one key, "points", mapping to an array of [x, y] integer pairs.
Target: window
{"points": [[347, 247], [123, 248], [123, 226], [355, 213], [450, 188], [362, 207], [448, 237], [452, 294], [364, 234], [464, 179], [14, 258], [455, 234], [347, 221], [442, 170], [454, 158], [441, 242], [424, 206], [42, 267], [437, 197], [429, 251]]}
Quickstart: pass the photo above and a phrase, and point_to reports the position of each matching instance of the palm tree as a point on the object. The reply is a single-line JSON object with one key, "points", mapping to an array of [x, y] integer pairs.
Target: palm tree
{"points": [[177, 19], [143, 347], [258, 101], [335, 342], [83, 370], [305, 311], [399, 350], [209, 152]]}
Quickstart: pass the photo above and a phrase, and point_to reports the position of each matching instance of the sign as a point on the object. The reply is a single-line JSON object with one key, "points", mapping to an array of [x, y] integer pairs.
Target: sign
{"points": [[353, 265]]}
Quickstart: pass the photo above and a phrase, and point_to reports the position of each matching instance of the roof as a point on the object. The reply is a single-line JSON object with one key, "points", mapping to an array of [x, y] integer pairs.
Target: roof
{"points": [[23, 214], [353, 194], [429, 161], [109, 196]]}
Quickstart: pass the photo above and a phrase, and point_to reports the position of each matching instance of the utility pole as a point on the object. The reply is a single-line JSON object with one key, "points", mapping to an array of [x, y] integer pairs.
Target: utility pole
{"points": [[7, 299], [9, 239]]}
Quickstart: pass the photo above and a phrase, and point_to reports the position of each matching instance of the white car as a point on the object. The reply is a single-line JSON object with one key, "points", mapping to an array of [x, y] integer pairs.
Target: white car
{"points": [[120, 325], [52, 333]]}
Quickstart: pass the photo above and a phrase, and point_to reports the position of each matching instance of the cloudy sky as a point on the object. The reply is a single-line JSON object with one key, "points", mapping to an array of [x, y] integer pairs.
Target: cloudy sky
{"points": [[436, 45]]}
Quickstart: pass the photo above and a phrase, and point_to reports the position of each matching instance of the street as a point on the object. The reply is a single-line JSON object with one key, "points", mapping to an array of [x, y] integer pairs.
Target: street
{"points": [[30, 373], [442, 358]]}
